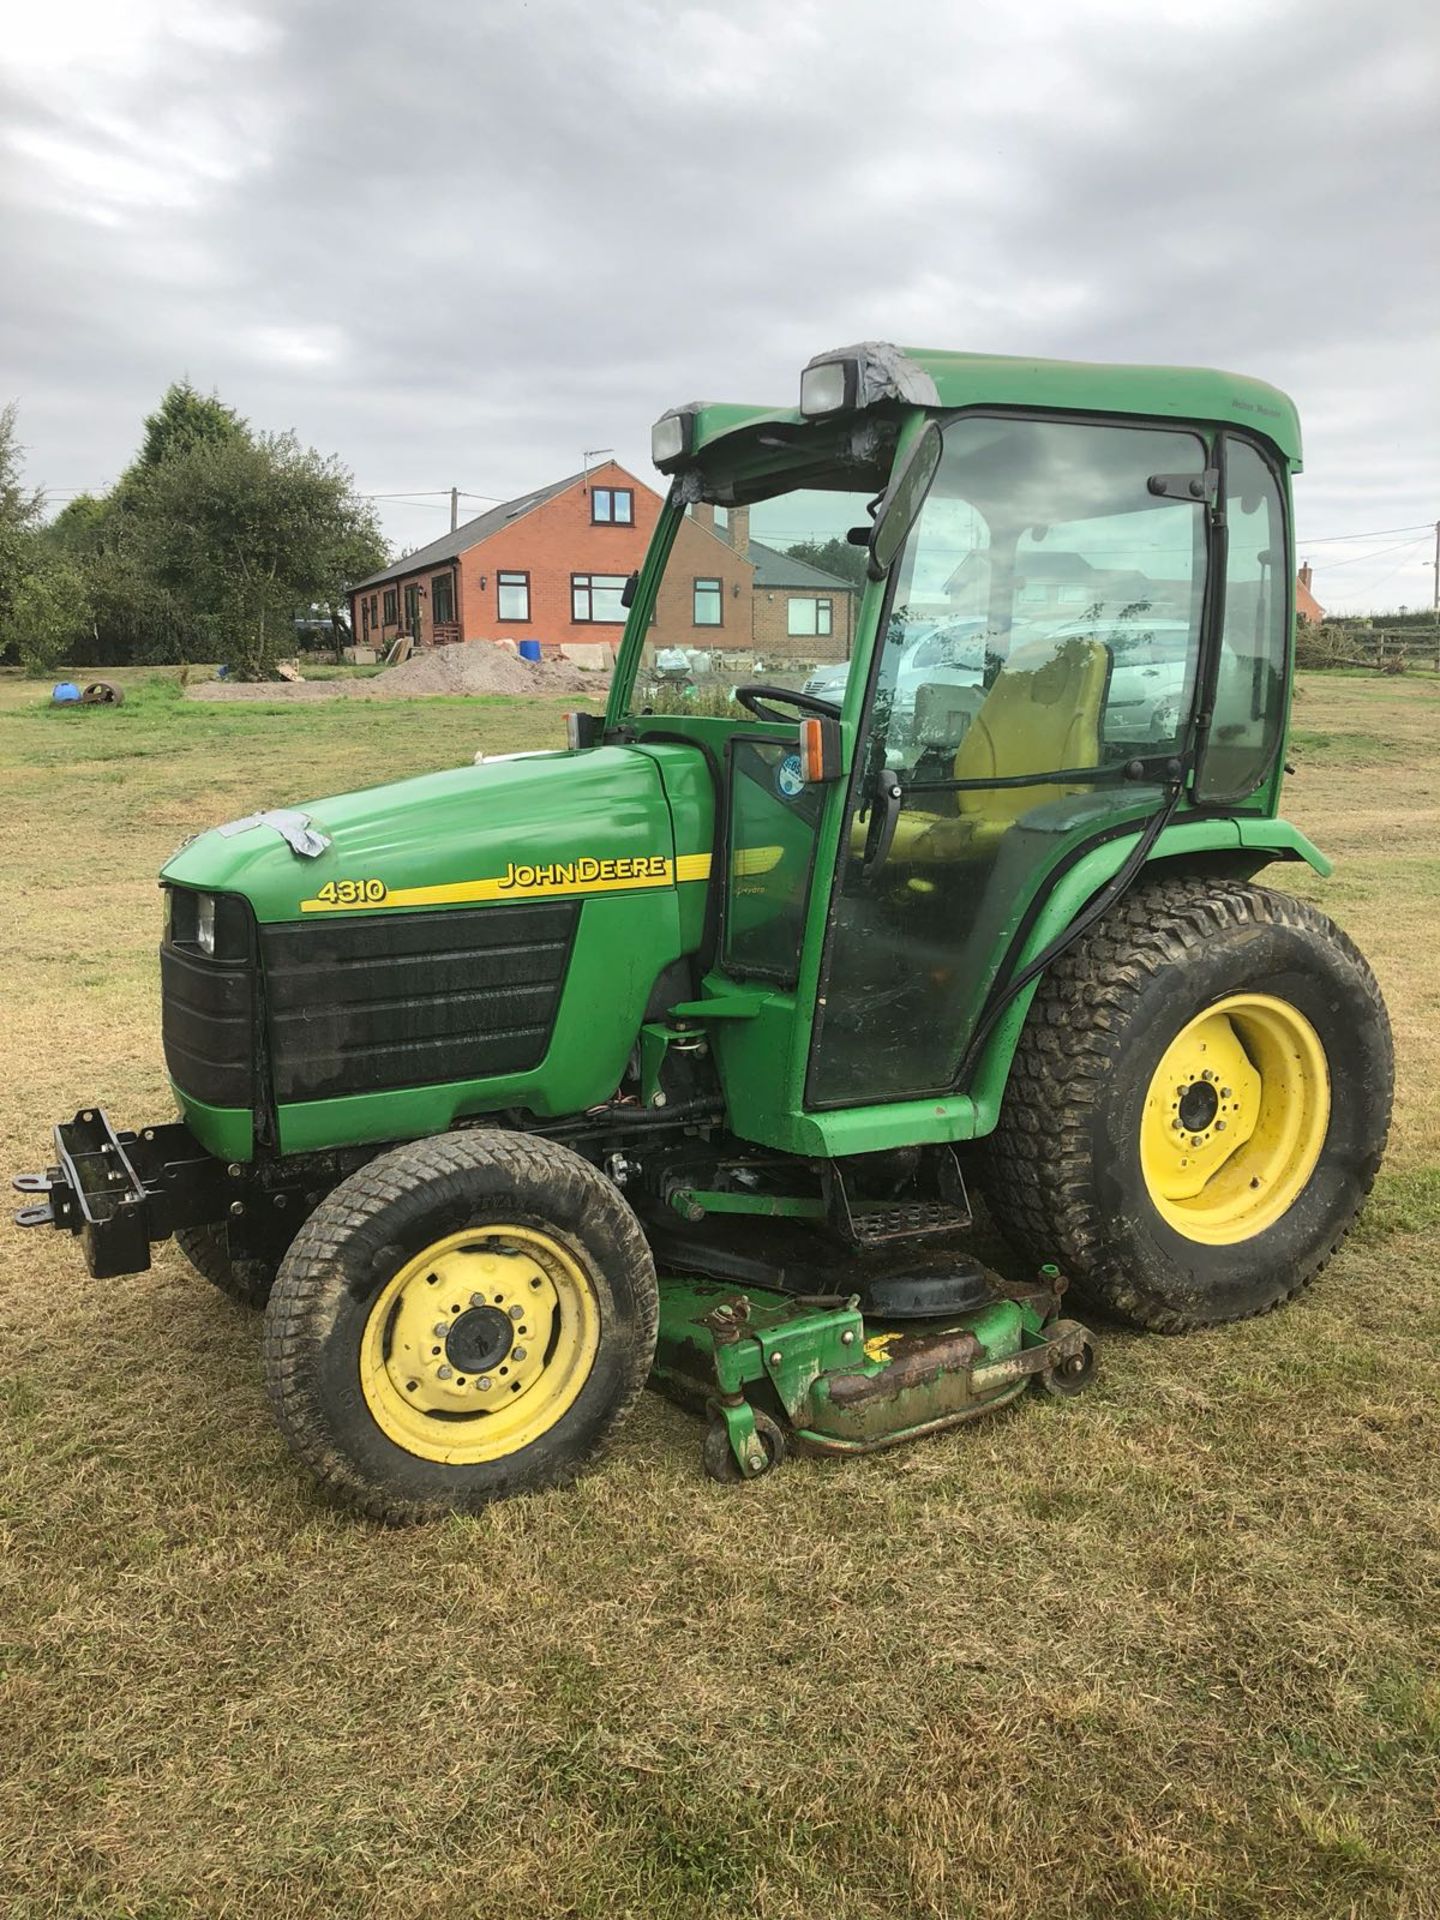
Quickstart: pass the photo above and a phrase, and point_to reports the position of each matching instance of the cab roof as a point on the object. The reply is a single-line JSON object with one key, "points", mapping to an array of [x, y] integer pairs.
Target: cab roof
{"points": [[945, 380]]}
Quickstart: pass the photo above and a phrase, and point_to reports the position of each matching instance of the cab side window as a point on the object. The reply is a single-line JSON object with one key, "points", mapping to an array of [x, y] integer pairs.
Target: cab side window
{"points": [[1249, 709]]}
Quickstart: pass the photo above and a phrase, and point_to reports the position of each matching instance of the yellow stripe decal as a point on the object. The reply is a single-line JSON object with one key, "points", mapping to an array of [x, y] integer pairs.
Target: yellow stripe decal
{"points": [[520, 881]]}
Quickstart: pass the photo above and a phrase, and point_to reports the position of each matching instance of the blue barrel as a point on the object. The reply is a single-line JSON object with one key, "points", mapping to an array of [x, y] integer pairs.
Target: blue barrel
{"points": [[529, 649], [65, 693]]}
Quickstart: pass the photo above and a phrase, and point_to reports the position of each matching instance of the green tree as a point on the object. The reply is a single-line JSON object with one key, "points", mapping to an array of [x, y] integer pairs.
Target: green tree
{"points": [[246, 531], [832, 556], [185, 419], [20, 510], [49, 614]]}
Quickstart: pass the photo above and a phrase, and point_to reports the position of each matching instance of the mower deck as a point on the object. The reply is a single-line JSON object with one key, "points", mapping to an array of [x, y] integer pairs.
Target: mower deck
{"points": [[776, 1370]]}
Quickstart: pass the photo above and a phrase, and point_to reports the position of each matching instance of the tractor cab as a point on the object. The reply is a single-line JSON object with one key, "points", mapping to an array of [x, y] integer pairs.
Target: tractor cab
{"points": [[1066, 622]]}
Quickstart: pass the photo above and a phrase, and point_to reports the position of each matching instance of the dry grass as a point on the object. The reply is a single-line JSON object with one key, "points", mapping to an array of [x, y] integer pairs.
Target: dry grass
{"points": [[1168, 1651]]}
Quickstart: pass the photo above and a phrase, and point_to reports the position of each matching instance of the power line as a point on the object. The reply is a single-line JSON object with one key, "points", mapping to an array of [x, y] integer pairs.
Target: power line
{"points": [[1358, 559], [1376, 533]]}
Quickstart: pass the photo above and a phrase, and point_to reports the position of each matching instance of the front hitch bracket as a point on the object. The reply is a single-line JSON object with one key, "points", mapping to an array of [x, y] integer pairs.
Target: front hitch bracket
{"points": [[120, 1192]]}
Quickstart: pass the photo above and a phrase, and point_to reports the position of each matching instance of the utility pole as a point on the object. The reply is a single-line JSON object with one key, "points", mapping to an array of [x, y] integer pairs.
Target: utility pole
{"points": [[454, 508], [1435, 603]]}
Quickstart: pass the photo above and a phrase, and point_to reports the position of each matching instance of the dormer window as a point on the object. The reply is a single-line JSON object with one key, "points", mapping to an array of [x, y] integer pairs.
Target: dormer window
{"points": [[612, 506]]}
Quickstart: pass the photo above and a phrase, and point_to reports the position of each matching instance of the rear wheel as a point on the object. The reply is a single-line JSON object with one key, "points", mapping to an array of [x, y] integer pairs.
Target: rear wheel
{"points": [[247, 1282], [1198, 1104], [464, 1318]]}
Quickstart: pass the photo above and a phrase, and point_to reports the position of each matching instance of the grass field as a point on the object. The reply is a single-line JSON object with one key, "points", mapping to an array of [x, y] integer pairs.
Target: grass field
{"points": [[1167, 1651]]}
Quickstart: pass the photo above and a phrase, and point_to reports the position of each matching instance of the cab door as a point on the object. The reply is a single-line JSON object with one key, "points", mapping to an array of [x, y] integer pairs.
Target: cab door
{"points": [[1050, 557]]}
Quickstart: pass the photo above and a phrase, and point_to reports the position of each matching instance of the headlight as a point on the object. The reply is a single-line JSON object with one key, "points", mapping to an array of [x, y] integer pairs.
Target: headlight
{"points": [[670, 437], [826, 386], [205, 923]]}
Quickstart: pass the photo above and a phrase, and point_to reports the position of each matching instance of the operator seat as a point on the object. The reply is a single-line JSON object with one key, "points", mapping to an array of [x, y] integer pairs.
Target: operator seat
{"points": [[1042, 712]]}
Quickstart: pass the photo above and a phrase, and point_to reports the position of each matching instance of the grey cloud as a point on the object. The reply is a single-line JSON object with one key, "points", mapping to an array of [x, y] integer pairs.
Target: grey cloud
{"points": [[464, 242]]}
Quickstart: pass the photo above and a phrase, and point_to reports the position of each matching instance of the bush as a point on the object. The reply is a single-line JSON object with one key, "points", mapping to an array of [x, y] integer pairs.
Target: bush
{"points": [[49, 614]]}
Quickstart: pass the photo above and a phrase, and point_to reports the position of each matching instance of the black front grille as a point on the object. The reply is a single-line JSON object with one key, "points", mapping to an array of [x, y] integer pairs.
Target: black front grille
{"points": [[357, 1005], [207, 1026]]}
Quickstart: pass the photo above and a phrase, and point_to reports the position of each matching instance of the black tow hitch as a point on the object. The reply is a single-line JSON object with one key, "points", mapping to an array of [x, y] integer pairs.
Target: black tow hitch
{"points": [[120, 1192]]}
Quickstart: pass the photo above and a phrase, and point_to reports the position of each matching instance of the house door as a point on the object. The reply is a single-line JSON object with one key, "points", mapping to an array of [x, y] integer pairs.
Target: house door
{"points": [[412, 611]]}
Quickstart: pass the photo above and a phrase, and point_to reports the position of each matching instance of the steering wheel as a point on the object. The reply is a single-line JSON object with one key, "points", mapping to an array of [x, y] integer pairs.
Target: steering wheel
{"points": [[753, 699]]}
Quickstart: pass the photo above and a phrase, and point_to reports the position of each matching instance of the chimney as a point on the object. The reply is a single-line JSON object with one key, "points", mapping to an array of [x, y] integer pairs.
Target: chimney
{"points": [[703, 514], [1305, 575], [739, 530]]}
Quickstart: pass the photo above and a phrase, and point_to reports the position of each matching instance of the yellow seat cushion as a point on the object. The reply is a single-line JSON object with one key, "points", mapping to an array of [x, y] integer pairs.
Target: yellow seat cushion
{"points": [[1042, 712]]}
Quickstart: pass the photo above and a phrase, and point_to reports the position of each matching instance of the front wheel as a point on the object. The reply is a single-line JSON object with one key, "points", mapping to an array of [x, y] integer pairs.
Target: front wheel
{"points": [[464, 1318], [1198, 1105]]}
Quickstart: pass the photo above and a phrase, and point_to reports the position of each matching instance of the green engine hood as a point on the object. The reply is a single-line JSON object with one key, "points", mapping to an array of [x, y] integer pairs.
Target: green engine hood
{"points": [[537, 826]]}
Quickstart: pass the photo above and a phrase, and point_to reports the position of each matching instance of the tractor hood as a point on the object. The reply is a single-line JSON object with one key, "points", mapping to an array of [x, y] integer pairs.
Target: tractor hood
{"points": [[526, 827]]}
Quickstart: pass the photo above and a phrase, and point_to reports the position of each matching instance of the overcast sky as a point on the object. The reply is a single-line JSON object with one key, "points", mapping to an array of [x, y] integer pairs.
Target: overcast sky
{"points": [[462, 243]]}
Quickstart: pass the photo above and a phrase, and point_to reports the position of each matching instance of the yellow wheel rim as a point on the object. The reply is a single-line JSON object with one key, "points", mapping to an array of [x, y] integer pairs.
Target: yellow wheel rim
{"points": [[1235, 1118], [479, 1344]]}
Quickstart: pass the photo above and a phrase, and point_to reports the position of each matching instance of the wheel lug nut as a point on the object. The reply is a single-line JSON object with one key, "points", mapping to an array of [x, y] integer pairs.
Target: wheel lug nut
{"points": [[483, 1385], [518, 1354], [1178, 1125], [1219, 1126], [477, 1299], [1207, 1074], [444, 1373], [442, 1327], [517, 1313], [1197, 1139], [1225, 1093]]}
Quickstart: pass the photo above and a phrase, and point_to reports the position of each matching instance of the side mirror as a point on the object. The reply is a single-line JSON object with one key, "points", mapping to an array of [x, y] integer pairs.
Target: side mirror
{"points": [[903, 500]]}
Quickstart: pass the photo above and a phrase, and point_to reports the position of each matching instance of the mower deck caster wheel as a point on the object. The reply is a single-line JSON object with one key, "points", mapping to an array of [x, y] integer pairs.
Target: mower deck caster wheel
{"points": [[1071, 1375], [720, 1461]]}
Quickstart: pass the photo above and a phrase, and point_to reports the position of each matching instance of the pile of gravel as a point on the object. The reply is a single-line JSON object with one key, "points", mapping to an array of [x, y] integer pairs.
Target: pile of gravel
{"points": [[471, 666]]}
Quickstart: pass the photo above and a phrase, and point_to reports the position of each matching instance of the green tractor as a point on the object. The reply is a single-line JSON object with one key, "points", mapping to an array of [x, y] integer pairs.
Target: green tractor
{"points": [[677, 1054]]}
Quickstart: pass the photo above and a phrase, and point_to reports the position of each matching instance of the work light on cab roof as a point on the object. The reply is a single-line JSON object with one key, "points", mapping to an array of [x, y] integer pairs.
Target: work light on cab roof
{"points": [[675, 1053]]}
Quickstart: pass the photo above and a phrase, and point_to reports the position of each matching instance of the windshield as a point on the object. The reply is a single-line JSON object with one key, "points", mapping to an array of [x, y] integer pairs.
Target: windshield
{"points": [[763, 592], [1041, 544]]}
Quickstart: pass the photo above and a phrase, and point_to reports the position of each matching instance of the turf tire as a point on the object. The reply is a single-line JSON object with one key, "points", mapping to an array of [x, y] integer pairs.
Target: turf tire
{"points": [[247, 1282], [1062, 1175], [361, 1235]]}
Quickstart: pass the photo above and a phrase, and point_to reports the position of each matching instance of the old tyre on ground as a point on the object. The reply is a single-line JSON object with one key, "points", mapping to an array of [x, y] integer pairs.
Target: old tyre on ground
{"points": [[1198, 1104], [247, 1282], [465, 1318]]}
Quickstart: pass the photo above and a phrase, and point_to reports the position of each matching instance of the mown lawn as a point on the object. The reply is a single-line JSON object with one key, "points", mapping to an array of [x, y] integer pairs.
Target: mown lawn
{"points": [[1166, 1651]]}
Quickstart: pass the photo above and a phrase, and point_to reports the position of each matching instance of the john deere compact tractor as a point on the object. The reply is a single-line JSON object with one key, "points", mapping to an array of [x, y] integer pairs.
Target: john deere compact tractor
{"points": [[679, 1053]]}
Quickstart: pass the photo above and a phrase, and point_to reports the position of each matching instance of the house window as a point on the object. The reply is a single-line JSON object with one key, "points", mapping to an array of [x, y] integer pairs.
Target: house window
{"points": [[392, 606], [374, 609], [442, 598], [810, 618], [412, 611], [612, 506], [709, 601], [364, 621], [512, 591], [595, 599]]}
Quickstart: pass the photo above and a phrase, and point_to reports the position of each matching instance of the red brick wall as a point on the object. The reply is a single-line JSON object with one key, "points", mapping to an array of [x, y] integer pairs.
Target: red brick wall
{"points": [[551, 543], [699, 553]]}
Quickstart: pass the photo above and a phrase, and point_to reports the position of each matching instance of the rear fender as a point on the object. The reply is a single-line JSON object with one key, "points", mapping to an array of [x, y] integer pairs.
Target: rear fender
{"points": [[1226, 846]]}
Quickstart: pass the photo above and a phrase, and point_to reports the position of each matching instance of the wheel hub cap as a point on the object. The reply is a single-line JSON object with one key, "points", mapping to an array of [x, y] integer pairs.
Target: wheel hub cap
{"points": [[479, 1340]]}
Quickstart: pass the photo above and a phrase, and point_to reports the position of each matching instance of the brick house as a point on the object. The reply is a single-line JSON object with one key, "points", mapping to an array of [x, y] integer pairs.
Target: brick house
{"points": [[1307, 607], [551, 566]]}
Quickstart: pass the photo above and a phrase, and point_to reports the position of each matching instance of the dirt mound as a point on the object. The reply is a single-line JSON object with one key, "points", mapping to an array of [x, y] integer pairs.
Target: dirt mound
{"points": [[471, 667]]}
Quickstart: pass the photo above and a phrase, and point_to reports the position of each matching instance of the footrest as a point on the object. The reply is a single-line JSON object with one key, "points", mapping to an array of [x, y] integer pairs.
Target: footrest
{"points": [[945, 1209], [869, 1225]]}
